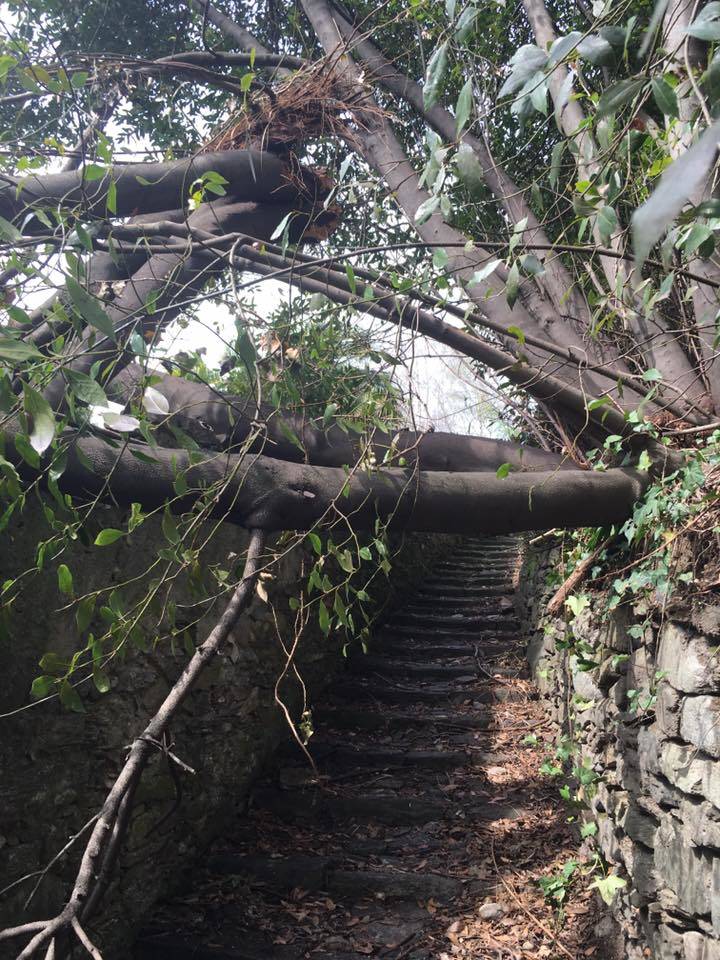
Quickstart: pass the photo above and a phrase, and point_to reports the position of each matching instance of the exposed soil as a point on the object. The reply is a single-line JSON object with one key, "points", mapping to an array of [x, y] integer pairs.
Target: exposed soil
{"points": [[430, 824]]}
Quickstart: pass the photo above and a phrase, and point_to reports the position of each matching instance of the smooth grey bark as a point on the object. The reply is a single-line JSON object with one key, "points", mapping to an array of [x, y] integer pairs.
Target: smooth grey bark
{"points": [[659, 346], [264, 493], [557, 283], [251, 174], [233, 31], [233, 420]]}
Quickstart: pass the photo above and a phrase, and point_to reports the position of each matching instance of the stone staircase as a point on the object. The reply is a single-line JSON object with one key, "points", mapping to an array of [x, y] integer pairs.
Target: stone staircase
{"points": [[356, 857]]}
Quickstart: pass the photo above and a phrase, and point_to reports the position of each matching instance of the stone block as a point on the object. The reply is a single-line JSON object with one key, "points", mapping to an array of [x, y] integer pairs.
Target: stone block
{"points": [[638, 825], [700, 723], [667, 709], [700, 824], [691, 663], [681, 871]]}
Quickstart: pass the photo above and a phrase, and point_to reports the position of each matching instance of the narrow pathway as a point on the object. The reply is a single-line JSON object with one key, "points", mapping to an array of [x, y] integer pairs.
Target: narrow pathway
{"points": [[429, 826]]}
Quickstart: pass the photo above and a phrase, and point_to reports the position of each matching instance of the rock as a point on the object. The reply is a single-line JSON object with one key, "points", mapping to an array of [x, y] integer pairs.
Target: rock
{"points": [[688, 660], [700, 723], [686, 873], [491, 911], [707, 618]]}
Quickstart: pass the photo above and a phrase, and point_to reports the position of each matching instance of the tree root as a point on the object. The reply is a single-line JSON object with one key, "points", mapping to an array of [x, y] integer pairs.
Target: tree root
{"points": [[103, 847]]}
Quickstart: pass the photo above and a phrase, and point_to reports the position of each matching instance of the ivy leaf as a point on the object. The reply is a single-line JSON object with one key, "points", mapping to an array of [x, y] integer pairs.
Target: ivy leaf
{"points": [[169, 527], [42, 419], [678, 183], [502, 471], [435, 76], [89, 308], [463, 108], [665, 97], [316, 542], [517, 333], [608, 886]]}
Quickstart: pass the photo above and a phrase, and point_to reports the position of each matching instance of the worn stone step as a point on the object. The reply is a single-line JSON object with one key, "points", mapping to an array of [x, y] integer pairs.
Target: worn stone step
{"points": [[468, 670], [425, 618], [333, 753], [432, 649], [463, 590], [325, 875], [342, 717], [418, 631], [431, 693]]}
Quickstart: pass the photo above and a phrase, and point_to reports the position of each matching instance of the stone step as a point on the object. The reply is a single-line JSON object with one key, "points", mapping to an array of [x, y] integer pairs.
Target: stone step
{"points": [[434, 591], [325, 875], [419, 650], [342, 717], [174, 946], [438, 620], [336, 754], [302, 805], [439, 693], [419, 631], [468, 669]]}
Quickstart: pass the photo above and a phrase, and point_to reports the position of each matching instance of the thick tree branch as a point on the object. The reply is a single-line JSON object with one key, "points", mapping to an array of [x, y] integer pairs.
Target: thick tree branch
{"points": [[233, 420]]}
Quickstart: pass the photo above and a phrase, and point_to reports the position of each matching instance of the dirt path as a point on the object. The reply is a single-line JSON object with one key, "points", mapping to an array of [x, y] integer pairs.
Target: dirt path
{"points": [[430, 825]]}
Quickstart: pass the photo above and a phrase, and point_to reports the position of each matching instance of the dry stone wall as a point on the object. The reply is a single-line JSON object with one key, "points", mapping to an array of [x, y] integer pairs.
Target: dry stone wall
{"points": [[657, 799], [57, 764]]}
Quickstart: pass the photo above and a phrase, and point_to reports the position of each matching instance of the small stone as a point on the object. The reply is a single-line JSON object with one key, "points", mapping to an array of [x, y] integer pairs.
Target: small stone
{"points": [[491, 911], [529, 945]]}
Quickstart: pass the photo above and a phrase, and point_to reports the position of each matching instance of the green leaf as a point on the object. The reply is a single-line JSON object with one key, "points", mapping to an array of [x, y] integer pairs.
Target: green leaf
{"points": [[107, 536], [42, 686], [426, 209], [111, 201], [70, 698], [463, 108], [618, 95], [652, 375], [517, 333], [665, 97], [344, 558], [502, 471], [555, 160], [84, 613], [512, 285], [677, 184], [607, 223], [324, 618], [86, 389], [608, 886], [89, 308], [42, 419], [17, 351], [100, 679], [435, 76], [526, 61], [562, 47], [65, 580], [706, 25], [484, 272], [169, 527], [315, 542], [466, 24], [597, 50], [469, 169]]}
